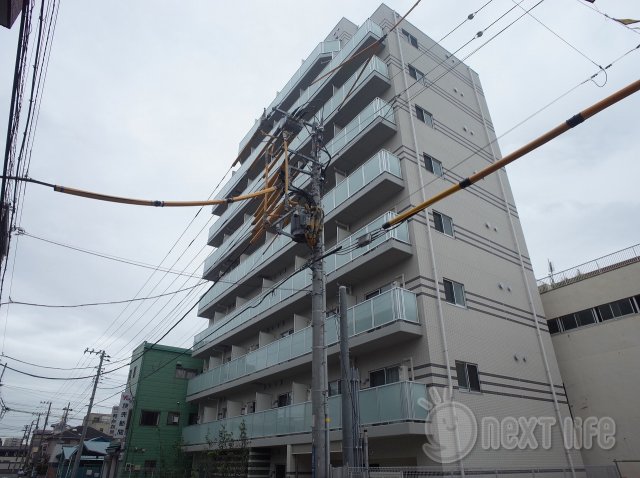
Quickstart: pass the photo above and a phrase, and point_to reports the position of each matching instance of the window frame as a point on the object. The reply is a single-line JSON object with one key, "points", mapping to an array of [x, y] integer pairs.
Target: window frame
{"points": [[413, 41], [466, 386], [288, 399], [442, 223], [417, 74], [142, 418], [453, 288], [423, 115], [170, 422], [429, 162], [385, 371]]}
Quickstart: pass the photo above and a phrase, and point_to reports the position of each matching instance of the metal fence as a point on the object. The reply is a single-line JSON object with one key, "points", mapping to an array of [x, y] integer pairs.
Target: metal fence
{"points": [[589, 269], [605, 471]]}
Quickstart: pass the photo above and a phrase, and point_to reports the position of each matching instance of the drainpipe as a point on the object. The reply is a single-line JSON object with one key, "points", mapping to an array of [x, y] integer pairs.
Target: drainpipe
{"points": [[434, 268]]}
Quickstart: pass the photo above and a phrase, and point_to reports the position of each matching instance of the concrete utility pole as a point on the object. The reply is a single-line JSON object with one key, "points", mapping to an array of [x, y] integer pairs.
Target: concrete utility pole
{"points": [[347, 395], [318, 359], [44, 428], [63, 422], [85, 423]]}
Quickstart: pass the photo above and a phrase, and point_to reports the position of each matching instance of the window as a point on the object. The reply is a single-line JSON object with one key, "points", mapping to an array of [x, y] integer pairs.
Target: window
{"points": [[193, 419], [454, 292], [568, 322], [468, 378], [384, 376], [185, 372], [417, 74], [410, 38], [173, 418], [286, 333], [149, 418], [585, 317], [443, 223], [380, 290], [424, 116], [433, 165], [284, 399], [553, 326], [335, 387], [135, 369]]}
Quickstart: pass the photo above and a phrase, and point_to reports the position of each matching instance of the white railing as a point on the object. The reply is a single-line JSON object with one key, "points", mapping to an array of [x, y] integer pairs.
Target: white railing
{"points": [[589, 269]]}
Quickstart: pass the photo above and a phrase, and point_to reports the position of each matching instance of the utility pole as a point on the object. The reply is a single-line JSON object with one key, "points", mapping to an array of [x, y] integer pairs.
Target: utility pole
{"points": [[63, 422], [44, 428], [30, 445], [85, 423], [318, 359], [347, 390]]}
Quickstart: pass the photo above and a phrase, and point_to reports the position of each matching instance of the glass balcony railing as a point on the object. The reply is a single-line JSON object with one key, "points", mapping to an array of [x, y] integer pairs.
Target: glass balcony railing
{"points": [[376, 109], [367, 28], [251, 263], [391, 306], [301, 280], [224, 249], [375, 65], [382, 162], [322, 48], [391, 403]]}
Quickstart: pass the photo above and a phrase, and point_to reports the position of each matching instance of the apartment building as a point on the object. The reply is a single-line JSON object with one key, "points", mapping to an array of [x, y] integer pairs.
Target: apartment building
{"points": [[445, 301], [594, 319], [155, 412]]}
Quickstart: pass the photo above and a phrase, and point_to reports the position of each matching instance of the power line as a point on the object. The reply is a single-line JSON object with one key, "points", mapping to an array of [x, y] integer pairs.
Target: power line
{"points": [[103, 254], [43, 366], [91, 304]]}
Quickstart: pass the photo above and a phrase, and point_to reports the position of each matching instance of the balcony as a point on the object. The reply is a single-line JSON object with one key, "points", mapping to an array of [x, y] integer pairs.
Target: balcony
{"points": [[308, 70], [395, 305], [387, 249], [390, 404], [370, 185], [373, 81], [366, 35], [364, 134]]}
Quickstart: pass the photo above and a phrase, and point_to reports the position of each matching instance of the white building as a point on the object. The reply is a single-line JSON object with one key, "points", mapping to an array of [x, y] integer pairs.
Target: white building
{"points": [[445, 301], [594, 318]]}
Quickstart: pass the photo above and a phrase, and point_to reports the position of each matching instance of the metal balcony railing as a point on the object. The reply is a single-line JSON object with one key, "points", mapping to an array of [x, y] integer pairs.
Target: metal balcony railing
{"points": [[391, 306], [592, 268], [300, 281], [391, 403]]}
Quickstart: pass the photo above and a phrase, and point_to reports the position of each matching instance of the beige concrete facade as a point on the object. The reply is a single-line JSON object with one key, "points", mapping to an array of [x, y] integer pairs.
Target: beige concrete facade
{"points": [[395, 122], [599, 358]]}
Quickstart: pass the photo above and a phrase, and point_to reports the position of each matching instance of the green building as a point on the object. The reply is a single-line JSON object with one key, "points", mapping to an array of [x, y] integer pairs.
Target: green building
{"points": [[157, 411]]}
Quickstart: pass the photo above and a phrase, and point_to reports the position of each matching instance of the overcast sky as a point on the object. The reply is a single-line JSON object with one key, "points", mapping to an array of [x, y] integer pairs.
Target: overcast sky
{"points": [[150, 99]]}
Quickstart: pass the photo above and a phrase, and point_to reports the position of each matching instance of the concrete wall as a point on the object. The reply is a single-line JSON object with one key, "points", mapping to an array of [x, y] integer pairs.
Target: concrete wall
{"points": [[600, 362]]}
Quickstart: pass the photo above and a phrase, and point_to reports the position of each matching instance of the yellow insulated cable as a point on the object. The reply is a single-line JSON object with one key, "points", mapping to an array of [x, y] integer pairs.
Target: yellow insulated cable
{"points": [[527, 148]]}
